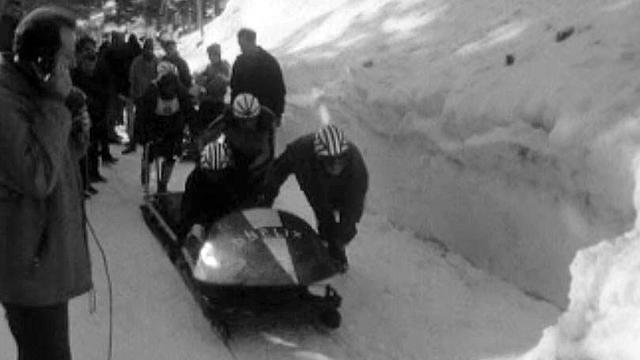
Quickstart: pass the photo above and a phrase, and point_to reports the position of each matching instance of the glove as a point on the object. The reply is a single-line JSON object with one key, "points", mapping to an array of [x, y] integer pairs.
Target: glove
{"points": [[196, 231]]}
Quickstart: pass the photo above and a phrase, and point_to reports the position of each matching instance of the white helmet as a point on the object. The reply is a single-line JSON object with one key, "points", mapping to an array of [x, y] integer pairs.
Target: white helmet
{"points": [[215, 155], [245, 106], [329, 141]]}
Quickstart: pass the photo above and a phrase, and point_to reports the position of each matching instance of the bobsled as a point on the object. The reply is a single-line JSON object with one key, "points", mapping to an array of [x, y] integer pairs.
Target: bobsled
{"points": [[249, 262]]}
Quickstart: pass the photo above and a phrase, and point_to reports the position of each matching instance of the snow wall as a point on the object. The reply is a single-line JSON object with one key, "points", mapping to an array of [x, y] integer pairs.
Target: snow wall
{"points": [[515, 165]]}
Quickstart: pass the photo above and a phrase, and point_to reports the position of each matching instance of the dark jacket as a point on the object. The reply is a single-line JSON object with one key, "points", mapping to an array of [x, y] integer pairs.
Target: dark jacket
{"points": [[209, 195], [259, 73], [118, 58], [215, 80], [44, 258], [141, 74], [154, 126], [326, 194], [94, 87], [183, 69], [252, 150], [7, 30]]}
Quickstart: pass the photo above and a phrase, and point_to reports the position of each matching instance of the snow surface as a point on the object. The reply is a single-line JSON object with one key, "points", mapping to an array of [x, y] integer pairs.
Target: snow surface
{"points": [[403, 298]]}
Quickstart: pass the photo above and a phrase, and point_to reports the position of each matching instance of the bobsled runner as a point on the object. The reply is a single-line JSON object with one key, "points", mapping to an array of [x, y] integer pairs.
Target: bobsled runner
{"points": [[248, 263]]}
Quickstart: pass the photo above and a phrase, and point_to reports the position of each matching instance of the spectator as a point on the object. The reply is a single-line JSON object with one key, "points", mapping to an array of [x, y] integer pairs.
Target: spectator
{"points": [[90, 77], [115, 58], [10, 14], [173, 56], [44, 260], [215, 81], [143, 71], [333, 177], [77, 104], [134, 47], [164, 110], [257, 72], [133, 50], [105, 44]]}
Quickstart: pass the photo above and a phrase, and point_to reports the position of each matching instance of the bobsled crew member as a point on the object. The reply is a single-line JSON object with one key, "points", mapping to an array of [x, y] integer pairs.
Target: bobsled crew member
{"points": [[332, 174], [165, 108], [44, 261], [247, 127], [213, 189]]}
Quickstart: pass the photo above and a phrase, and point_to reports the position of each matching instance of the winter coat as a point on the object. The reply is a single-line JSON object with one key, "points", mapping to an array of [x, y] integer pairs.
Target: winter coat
{"points": [[7, 29], [209, 195], [45, 257], [156, 127], [215, 79], [259, 73], [94, 87], [118, 60], [326, 194], [141, 74], [183, 69]]}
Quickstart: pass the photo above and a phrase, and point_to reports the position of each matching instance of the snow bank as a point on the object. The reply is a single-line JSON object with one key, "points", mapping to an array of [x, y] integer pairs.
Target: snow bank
{"points": [[514, 167], [602, 319]]}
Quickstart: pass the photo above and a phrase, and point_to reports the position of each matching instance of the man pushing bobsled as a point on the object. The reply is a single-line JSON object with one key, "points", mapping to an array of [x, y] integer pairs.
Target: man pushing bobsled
{"points": [[332, 174], [232, 165]]}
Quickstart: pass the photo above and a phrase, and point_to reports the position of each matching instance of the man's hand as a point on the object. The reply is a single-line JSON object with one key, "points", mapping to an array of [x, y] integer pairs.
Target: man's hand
{"points": [[125, 99], [197, 231]]}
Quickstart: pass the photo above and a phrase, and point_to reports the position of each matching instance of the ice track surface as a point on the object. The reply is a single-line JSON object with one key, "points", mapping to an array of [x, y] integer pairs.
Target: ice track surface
{"points": [[403, 298]]}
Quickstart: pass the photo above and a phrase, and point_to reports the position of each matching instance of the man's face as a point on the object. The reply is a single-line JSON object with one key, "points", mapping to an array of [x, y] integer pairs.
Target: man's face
{"points": [[171, 49], [334, 165], [147, 51], [59, 84], [245, 45], [86, 58], [214, 57], [250, 123]]}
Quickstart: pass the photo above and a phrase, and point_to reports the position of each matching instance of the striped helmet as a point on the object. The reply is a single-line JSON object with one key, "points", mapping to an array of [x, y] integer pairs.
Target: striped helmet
{"points": [[246, 106], [329, 141], [215, 155]]}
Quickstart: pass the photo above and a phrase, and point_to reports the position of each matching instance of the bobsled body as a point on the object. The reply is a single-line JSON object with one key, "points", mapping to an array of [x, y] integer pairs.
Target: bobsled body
{"points": [[258, 248], [255, 259]]}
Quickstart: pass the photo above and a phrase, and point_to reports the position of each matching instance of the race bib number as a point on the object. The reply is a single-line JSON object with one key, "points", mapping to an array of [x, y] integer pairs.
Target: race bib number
{"points": [[167, 107]]}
